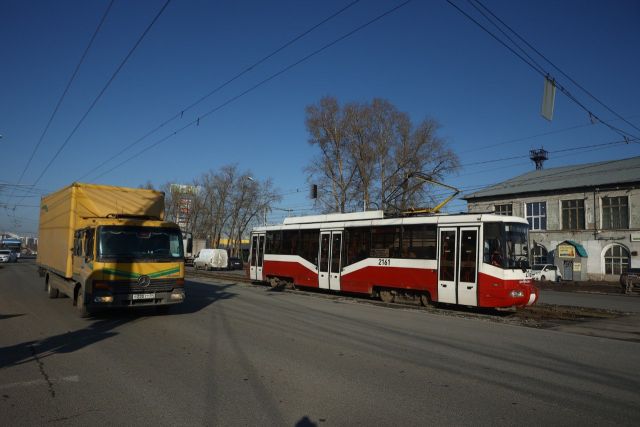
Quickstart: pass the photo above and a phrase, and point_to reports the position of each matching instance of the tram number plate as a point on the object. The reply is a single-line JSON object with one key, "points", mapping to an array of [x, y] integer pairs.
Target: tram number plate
{"points": [[384, 261], [144, 296]]}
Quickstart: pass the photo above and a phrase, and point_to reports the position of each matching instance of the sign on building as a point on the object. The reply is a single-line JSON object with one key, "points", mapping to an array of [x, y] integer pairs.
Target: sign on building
{"points": [[566, 251]]}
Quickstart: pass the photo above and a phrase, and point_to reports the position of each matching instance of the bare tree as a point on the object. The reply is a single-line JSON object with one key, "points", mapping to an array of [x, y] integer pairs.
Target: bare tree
{"points": [[333, 170], [223, 206], [368, 149]]}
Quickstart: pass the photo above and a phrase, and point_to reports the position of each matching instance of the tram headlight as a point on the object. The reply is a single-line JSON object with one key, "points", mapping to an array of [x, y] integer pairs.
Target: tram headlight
{"points": [[516, 294]]}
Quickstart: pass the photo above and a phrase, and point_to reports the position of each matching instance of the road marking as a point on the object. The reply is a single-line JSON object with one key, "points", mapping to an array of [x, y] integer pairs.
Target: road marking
{"points": [[68, 379]]}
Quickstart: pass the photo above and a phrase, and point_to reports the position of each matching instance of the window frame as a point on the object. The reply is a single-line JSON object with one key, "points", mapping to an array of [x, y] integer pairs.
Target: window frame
{"points": [[623, 263], [610, 223], [575, 218], [532, 217], [505, 209]]}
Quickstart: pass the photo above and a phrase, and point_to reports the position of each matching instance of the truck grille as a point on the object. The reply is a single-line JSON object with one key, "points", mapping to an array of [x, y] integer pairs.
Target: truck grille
{"points": [[131, 287]]}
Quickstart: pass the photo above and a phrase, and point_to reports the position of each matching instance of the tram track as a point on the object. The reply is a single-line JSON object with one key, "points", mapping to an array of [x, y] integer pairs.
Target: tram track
{"points": [[542, 316]]}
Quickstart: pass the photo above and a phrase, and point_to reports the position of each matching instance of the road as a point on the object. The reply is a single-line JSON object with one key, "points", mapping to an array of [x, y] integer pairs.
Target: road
{"points": [[246, 355], [626, 303]]}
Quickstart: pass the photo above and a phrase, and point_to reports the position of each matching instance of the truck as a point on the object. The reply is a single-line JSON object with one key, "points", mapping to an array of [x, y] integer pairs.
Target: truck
{"points": [[105, 246]]}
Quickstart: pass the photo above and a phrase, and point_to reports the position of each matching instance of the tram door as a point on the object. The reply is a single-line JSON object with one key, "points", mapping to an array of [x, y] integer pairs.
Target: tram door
{"points": [[447, 242], [458, 265], [256, 257], [329, 259], [468, 267]]}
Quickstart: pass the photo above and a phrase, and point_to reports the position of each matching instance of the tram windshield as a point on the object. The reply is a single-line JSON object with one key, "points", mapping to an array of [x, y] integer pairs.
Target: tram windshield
{"points": [[506, 245]]}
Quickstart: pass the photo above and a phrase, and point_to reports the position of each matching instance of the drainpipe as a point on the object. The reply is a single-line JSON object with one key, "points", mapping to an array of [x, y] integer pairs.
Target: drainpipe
{"points": [[595, 220]]}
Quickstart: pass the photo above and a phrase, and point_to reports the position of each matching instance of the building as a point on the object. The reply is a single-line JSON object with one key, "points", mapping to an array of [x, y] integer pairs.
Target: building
{"points": [[585, 219]]}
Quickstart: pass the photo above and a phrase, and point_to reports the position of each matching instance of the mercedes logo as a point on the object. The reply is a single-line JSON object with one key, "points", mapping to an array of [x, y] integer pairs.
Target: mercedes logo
{"points": [[143, 281]]}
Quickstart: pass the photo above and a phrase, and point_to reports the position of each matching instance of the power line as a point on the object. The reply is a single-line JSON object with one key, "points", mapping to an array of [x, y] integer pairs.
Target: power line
{"points": [[558, 68], [95, 101], [257, 85], [220, 87], [66, 89], [553, 132], [542, 72], [554, 151]]}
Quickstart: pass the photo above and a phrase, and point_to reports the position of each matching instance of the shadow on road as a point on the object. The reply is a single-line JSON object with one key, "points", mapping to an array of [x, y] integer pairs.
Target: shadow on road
{"points": [[104, 325]]}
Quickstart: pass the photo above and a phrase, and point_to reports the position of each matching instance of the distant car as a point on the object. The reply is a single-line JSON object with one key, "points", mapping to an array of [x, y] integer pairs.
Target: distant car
{"points": [[8, 256], [235, 263], [545, 272]]}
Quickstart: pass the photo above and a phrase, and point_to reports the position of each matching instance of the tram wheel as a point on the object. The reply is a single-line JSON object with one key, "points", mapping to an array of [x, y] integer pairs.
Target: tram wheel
{"points": [[425, 299], [387, 296]]}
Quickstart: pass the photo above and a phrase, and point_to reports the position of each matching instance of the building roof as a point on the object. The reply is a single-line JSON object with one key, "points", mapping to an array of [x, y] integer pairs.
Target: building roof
{"points": [[600, 174]]}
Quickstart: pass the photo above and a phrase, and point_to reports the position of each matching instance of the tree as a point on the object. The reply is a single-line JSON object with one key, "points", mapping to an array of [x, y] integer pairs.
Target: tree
{"points": [[366, 152], [223, 205]]}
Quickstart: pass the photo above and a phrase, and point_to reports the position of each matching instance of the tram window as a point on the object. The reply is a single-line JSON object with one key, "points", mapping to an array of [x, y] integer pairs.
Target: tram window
{"points": [[385, 242], [357, 244], [254, 248], [308, 247], [269, 246], [289, 242], [493, 248], [260, 250], [419, 241]]}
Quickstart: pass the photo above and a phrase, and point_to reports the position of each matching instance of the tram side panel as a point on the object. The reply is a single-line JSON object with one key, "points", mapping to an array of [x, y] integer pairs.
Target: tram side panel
{"points": [[290, 267], [399, 274]]}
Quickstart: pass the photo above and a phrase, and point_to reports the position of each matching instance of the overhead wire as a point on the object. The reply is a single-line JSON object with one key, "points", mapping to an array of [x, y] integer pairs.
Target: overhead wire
{"points": [[542, 72], [557, 67], [104, 89], [220, 87], [256, 86], [66, 90]]}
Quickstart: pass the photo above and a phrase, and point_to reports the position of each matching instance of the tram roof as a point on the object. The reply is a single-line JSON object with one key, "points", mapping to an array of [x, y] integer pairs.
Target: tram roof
{"points": [[377, 218]]}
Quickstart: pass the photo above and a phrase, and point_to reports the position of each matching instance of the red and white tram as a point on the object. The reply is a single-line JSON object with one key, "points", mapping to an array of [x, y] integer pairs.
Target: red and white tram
{"points": [[467, 259]]}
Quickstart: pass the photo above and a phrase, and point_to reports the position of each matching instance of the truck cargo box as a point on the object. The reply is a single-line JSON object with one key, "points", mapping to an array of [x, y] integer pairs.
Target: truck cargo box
{"points": [[69, 209]]}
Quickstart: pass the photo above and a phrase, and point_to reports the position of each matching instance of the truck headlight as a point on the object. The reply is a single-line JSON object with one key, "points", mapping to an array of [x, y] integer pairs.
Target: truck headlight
{"points": [[177, 295]]}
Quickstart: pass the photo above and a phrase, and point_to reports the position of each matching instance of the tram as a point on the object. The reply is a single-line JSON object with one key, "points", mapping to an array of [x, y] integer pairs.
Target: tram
{"points": [[478, 260]]}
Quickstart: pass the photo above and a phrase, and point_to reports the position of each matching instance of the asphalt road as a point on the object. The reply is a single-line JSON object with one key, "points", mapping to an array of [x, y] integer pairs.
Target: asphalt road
{"points": [[626, 303], [245, 355]]}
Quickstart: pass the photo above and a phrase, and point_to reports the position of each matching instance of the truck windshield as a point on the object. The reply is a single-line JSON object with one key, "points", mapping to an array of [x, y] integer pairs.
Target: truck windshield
{"points": [[505, 245], [139, 243]]}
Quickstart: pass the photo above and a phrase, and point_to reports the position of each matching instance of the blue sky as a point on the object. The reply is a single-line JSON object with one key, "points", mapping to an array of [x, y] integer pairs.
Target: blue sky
{"points": [[426, 58]]}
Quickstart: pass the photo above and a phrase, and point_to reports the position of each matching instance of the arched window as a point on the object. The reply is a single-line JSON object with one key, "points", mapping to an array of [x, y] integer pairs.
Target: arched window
{"points": [[539, 254], [616, 260]]}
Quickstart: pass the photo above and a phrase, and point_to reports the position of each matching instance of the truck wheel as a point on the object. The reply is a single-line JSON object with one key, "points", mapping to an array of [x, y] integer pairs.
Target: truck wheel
{"points": [[51, 291], [81, 305], [543, 278]]}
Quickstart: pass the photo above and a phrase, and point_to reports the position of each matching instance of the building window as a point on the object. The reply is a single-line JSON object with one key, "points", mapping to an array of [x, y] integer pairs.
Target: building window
{"points": [[573, 214], [539, 254], [615, 212], [616, 260], [537, 215], [504, 209]]}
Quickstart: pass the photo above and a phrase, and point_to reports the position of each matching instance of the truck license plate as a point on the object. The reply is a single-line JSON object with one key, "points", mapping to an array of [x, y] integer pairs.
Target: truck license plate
{"points": [[144, 296]]}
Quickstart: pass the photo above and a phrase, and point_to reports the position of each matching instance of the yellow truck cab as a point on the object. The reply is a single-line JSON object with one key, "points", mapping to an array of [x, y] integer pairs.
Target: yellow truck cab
{"points": [[105, 246]]}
